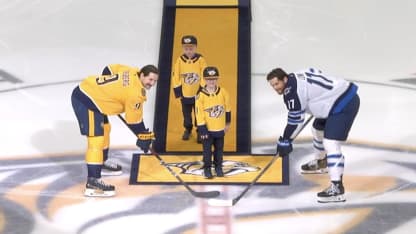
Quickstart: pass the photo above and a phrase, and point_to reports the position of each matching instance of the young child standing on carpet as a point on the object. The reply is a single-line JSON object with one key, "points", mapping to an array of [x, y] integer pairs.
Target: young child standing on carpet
{"points": [[186, 79], [213, 117]]}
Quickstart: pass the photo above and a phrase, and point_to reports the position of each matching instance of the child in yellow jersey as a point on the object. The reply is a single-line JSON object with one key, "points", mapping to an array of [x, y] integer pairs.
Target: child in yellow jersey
{"points": [[94, 99], [186, 80], [213, 115]]}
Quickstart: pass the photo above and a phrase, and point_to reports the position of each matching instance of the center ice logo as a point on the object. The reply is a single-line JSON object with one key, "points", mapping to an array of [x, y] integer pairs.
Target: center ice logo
{"points": [[230, 167]]}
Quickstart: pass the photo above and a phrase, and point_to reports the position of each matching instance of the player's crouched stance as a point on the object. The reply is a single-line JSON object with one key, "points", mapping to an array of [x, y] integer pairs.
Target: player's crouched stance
{"points": [[99, 96], [334, 103]]}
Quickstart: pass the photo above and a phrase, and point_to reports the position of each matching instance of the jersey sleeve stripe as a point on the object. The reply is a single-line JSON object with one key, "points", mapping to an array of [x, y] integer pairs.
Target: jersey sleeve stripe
{"points": [[296, 112]]}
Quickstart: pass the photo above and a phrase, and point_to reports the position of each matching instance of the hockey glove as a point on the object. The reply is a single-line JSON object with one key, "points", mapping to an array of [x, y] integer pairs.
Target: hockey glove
{"points": [[144, 140], [284, 147], [203, 132], [178, 91]]}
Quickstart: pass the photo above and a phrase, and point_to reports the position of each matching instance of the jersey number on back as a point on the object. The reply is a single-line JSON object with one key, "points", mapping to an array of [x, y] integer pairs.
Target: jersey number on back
{"points": [[101, 80], [319, 80]]}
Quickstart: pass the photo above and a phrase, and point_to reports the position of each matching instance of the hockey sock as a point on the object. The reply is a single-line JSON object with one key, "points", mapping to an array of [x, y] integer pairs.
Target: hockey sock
{"points": [[105, 154], [335, 159], [94, 170], [319, 150], [335, 166]]}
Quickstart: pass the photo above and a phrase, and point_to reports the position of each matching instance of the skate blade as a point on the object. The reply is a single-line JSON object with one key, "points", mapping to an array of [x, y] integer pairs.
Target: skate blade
{"points": [[98, 193], [320, 171], [111, 173], [339, 198]]}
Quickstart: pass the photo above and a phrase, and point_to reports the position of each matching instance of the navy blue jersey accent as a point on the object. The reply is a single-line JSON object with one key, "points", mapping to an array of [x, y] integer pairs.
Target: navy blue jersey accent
{"points": [[178, 91], [106, 71], [289, 130], [290, 96], [138, 127], [84, 99], [295, 117], [292, 102], [228, 117]]}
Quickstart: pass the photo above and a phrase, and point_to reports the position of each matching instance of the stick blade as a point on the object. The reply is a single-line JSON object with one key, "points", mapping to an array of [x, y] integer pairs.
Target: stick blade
{"points": [[207, 194], [220, 202]]}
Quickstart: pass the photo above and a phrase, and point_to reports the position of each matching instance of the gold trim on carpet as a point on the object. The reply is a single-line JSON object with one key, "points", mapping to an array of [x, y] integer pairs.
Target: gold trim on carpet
{"points": [[241, 169]]}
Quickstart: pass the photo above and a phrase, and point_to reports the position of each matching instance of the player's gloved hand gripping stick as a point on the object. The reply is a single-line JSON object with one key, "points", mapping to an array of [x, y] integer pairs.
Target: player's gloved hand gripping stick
{"points": [[145, 140], [281, 144]]}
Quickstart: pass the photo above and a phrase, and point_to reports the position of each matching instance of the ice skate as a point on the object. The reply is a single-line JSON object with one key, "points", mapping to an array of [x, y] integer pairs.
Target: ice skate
{"points": [[111, 169], [316, 166], [334, 193], [95, 187]]}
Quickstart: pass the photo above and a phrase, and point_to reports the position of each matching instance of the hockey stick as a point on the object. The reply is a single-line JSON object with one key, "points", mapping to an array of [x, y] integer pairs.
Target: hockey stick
{"points": [[204, 194], [232, 202]]}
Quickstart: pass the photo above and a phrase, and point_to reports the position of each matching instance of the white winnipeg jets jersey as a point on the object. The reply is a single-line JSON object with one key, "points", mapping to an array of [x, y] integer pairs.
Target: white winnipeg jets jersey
{"points": [[311, 91]]}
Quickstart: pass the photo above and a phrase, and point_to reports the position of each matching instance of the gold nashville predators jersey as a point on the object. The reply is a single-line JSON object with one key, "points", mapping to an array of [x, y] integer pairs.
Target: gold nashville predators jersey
{"points": [[187, 74], [211, 108], [121, 92], [116, 68]]}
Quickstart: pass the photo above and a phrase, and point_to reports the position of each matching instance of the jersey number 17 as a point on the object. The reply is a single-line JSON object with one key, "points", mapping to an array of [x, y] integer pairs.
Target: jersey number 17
{"points": [[319, 80]]}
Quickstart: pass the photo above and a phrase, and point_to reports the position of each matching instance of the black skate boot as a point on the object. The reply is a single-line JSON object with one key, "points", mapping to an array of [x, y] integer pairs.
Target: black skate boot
{"points": [[334, 193], [316, 166], [95, 187], [111, 168]]}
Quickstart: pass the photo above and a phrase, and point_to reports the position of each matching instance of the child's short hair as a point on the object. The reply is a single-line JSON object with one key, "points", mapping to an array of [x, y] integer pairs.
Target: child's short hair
{"points": [[189, 40]]}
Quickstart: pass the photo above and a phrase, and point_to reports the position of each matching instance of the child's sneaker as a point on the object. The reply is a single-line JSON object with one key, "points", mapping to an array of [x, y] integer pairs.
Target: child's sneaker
{"points": [[186, 135], [218, 171], [207, 173]]}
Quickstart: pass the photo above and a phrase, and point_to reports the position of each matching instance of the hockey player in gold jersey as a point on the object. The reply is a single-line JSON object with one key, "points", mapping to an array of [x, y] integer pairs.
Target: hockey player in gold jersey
{"points": [[121, 91], [109, 167], [186, 80], [213, 115]]}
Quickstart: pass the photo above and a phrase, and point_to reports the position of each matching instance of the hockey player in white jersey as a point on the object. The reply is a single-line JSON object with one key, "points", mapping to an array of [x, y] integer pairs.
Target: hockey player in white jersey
{"points": [[334, 103]]}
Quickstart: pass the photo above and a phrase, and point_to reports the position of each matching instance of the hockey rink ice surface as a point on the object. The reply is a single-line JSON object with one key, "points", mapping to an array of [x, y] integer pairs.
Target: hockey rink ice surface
{"points": [[47, 46]]}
